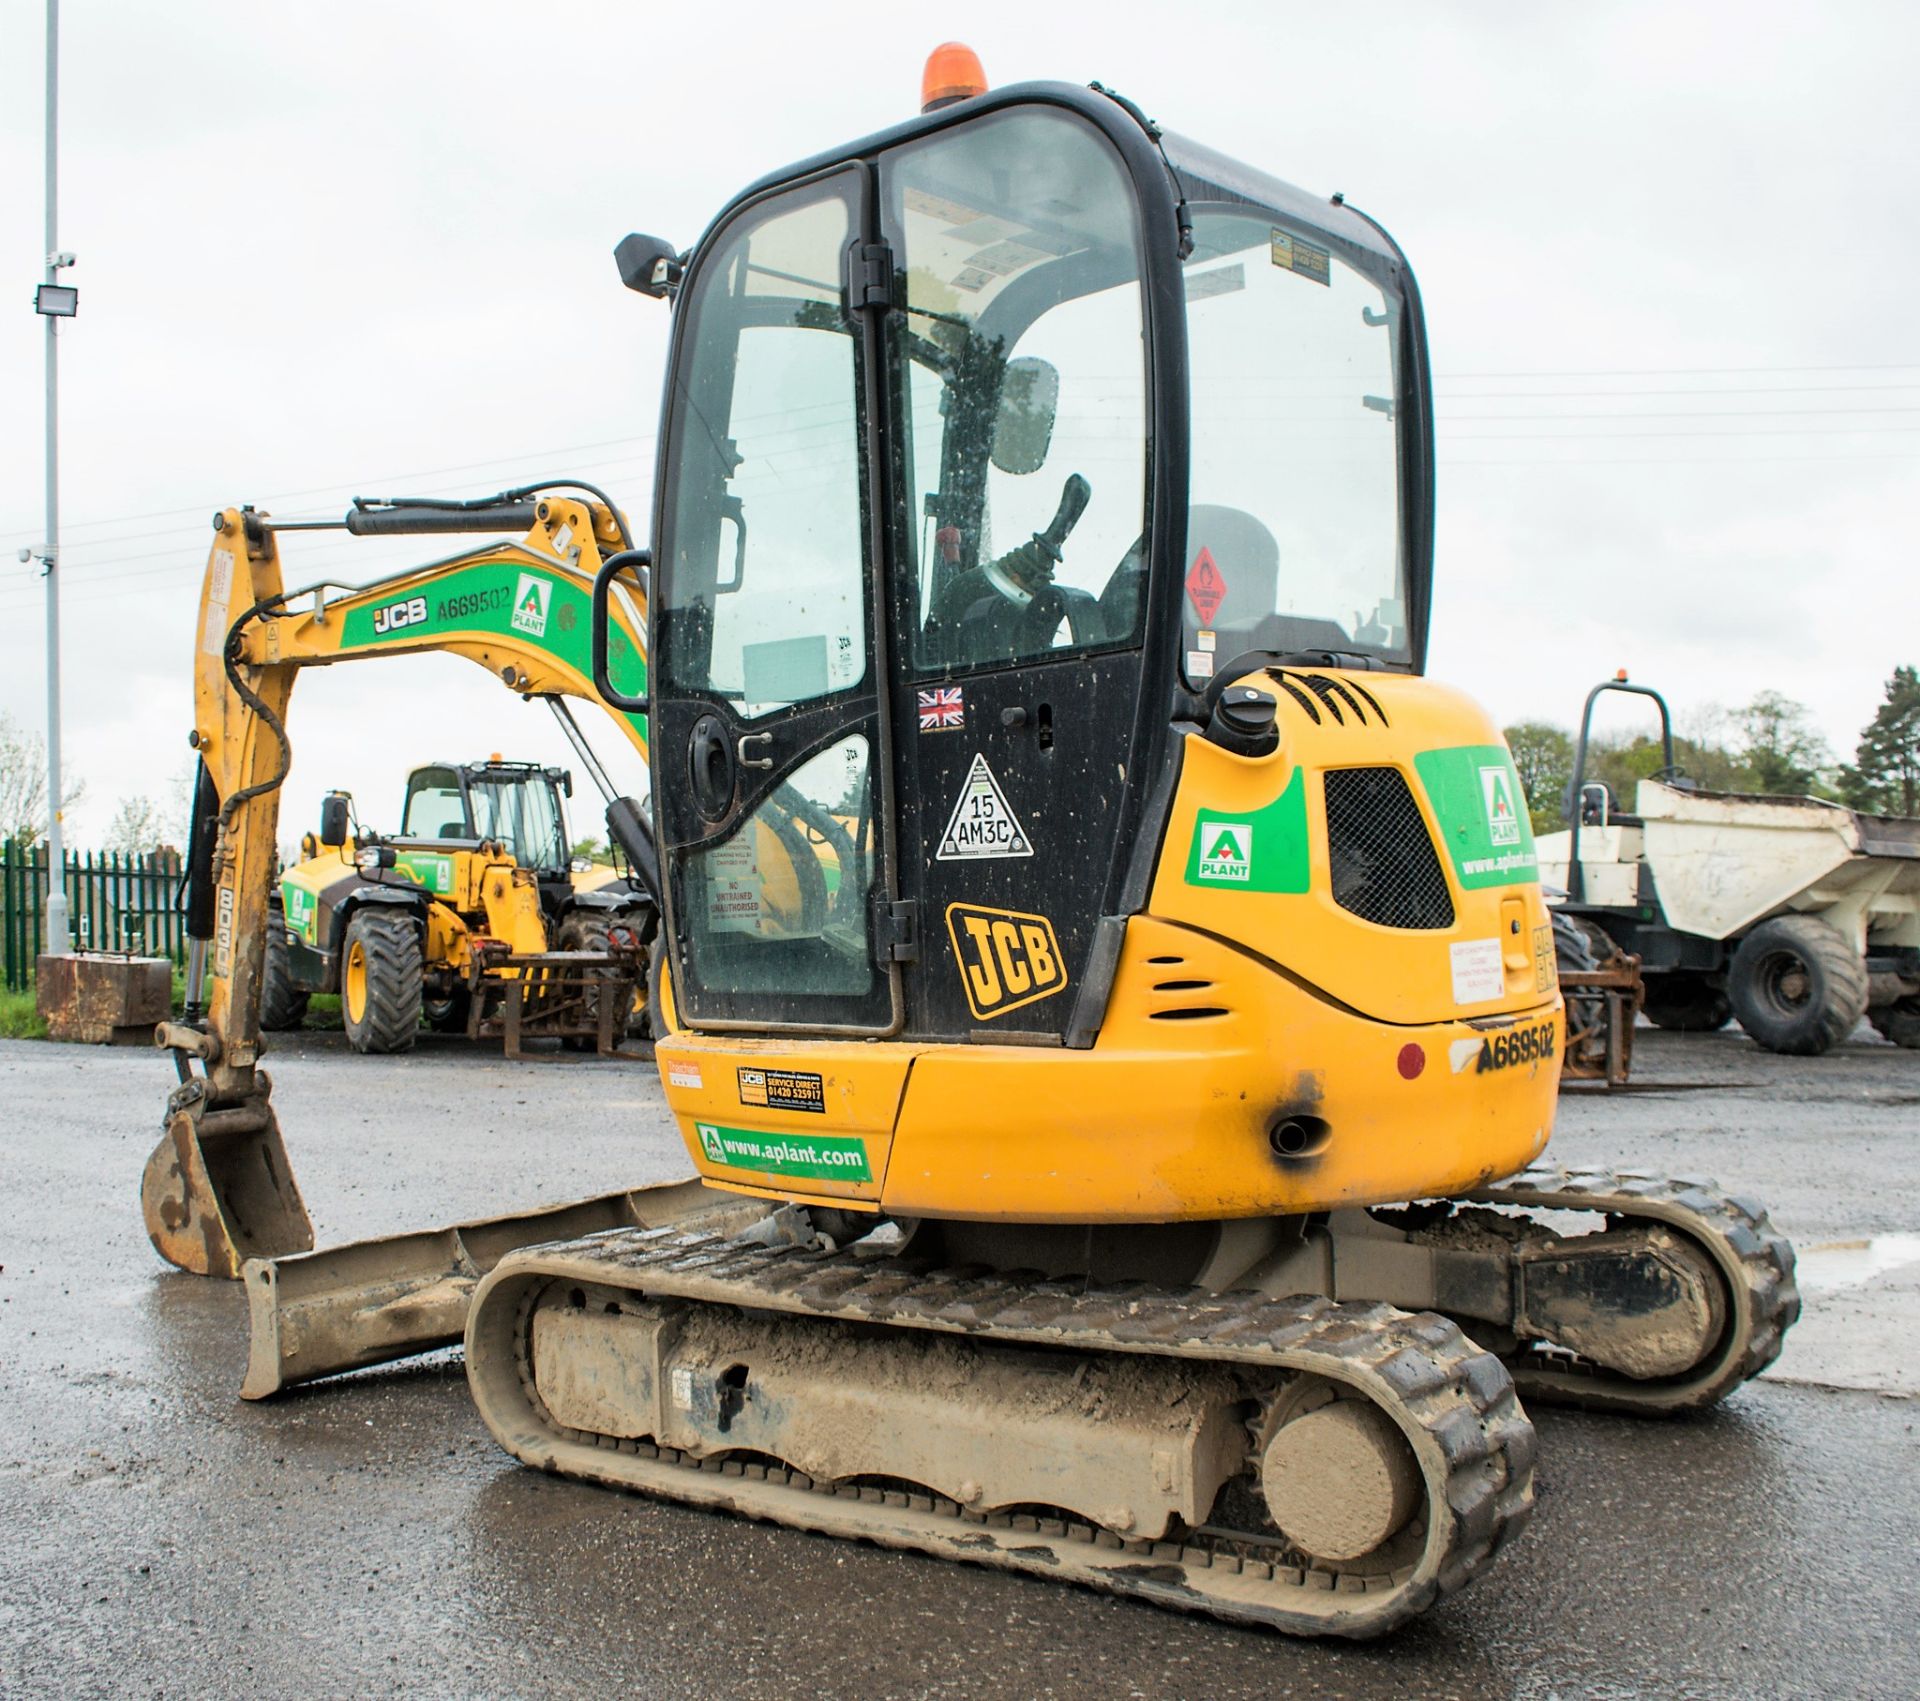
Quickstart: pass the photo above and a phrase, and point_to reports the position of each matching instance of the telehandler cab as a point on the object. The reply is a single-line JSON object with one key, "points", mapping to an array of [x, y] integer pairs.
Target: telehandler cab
{"points": [[1129, 1161]]}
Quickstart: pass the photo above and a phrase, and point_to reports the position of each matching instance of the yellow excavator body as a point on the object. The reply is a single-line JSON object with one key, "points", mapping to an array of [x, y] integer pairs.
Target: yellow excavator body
{"points": [[1104, 985], [1263, 1050]]}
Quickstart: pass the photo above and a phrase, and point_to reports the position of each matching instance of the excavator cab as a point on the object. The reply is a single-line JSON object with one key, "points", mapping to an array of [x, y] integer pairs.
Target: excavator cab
{"points": [[925, 555]]}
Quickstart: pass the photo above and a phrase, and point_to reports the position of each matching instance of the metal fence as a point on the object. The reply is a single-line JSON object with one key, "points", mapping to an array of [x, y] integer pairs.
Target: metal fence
{"points": [[117, 903]]}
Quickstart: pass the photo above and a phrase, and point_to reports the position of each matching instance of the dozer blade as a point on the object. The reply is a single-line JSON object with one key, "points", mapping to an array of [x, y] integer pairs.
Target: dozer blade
{"points": [[374, 1301], [218, 1189]]}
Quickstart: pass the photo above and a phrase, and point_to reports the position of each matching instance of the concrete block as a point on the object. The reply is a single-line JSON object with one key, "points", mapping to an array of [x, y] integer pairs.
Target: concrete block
{"points": [[103, 998]]}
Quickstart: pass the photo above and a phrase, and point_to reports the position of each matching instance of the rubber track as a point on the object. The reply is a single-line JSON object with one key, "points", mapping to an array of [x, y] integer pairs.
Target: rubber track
{"points": [[1454, 1400], [1755, 1259]]}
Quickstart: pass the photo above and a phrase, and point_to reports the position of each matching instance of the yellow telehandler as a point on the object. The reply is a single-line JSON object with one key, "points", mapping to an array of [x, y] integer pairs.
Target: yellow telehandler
{"points": [[439, 921], [1125, 1169]]}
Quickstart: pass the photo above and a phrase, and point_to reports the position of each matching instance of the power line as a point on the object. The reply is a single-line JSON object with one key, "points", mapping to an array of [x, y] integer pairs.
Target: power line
{"points": [[1688, 413], [1687, 371], [363, 484], [1722, 390], [1623, 436]]}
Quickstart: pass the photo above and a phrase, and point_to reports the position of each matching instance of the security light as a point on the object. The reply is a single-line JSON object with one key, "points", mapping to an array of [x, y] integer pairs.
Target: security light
{"points": [[56, 301]]}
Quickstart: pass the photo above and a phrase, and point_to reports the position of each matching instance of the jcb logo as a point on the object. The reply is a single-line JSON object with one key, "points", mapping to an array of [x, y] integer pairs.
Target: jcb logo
{"points": [[412, 612], [1006, 959]]}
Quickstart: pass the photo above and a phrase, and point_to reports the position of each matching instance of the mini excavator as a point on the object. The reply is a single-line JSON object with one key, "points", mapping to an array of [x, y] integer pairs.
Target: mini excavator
{"points": [[1125, 1168]]}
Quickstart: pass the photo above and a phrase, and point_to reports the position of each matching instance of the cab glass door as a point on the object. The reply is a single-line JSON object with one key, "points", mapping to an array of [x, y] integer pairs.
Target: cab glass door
{"points": [[766, 694], [1019, 414]]}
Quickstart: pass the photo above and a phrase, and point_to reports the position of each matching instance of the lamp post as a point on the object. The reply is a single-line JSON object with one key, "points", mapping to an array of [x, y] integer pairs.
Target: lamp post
{"points": [[53, 301]]}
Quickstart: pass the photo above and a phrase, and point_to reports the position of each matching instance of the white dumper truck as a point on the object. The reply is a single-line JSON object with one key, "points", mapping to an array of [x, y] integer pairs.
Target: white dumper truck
{"points": [[1797, 915]]}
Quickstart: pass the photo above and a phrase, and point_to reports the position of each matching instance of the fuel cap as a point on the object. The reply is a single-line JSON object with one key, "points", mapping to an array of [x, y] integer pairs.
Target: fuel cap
{"points": [[1246, 721]]}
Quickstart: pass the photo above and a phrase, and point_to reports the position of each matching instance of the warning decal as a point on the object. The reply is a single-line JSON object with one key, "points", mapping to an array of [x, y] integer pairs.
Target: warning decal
{"points": [[982, 824], [1206, 589]]}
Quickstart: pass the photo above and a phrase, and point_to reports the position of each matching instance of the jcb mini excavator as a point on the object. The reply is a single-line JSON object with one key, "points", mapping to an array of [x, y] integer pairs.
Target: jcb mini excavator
{"points": [[1133, 1156]]}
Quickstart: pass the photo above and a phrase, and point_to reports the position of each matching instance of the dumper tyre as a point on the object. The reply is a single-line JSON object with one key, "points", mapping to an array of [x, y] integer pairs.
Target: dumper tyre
{"points": [[1797, 986], [1898, 1022], [381, 980], [591, 930], [282, 1004], [1686, 1003]]}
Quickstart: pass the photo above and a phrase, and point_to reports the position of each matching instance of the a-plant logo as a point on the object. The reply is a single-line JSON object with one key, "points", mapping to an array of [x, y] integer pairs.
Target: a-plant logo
{"points": [[710, 1142], [1226, 851], [530, 602], [1006, 958], [1503, 819]]}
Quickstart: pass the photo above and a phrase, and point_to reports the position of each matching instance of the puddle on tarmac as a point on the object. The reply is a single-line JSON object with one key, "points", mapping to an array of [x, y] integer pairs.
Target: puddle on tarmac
{"points": [[1848, 1263]]}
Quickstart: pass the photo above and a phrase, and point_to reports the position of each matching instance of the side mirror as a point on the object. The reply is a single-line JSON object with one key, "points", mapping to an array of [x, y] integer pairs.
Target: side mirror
{"points": [[1023, 425], [648, 264], [566, 781], [333, 819]]}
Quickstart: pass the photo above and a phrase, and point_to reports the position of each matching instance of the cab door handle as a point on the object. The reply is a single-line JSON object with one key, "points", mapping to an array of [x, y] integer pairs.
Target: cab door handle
{"points": [[747, 761]]}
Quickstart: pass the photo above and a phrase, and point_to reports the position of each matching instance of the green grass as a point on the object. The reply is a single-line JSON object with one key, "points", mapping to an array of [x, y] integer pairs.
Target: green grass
{"points": [[18, 1018]]}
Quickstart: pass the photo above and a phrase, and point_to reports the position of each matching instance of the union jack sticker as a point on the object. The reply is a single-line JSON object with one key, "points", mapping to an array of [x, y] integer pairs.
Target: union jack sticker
{"points": [[942, 709]]}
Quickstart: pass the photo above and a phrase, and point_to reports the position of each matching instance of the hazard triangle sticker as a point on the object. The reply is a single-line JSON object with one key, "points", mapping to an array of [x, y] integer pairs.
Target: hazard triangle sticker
{"points": [[982, 824]]}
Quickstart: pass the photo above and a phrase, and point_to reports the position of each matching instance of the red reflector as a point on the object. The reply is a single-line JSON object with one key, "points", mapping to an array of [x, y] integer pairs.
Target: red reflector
{"points": [[1411, 1061]]}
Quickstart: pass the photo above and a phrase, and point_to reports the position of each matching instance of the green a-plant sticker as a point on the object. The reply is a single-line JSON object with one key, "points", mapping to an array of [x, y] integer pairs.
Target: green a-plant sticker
{"points": [[1503, 820], [1482, 814], [300, 907], [822, 1157], [1264, 850], [530, 600], [1230, 861]]}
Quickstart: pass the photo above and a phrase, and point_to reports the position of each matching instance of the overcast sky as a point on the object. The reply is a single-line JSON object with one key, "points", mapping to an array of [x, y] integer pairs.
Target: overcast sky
{"points": [[1667, 251]]}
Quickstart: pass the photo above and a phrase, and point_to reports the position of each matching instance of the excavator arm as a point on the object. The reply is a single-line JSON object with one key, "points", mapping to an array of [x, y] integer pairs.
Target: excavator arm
{"points": [[218, 1188]]}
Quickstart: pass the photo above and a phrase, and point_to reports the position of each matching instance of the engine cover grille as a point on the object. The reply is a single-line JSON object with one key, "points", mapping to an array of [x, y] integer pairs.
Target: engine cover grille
{"points": [[1382, 857]]}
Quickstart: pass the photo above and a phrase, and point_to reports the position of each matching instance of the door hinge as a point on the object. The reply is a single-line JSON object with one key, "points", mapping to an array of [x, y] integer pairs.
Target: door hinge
{"points": [[896, 932], [869, 277]]}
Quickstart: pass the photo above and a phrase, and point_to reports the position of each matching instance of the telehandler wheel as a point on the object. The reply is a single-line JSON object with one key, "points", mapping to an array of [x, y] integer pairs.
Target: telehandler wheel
{"points": [[1797, 986], [1686, 1003], [1899, 1022], [282, 1004], [380, 980], [591, 930]]}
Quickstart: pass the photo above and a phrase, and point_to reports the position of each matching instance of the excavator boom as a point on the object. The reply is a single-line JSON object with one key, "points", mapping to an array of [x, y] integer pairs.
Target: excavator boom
{"points": [[218, 1188]]}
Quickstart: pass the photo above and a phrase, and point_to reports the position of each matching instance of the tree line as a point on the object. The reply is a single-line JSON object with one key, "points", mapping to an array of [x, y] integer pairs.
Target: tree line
{"points": [[1768, 747]]}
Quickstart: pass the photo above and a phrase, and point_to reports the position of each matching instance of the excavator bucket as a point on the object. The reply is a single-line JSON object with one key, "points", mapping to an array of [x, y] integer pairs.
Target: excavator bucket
{"points": [[218, 1189], [374, 1301]]}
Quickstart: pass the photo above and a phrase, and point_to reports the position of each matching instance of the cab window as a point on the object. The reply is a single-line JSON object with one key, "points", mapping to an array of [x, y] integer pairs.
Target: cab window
{"points": [[435, 808], [1023, 397]]}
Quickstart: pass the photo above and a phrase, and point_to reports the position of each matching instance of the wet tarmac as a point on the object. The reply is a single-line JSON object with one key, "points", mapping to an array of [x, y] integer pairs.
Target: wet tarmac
{"points": [[159, 1537]]}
